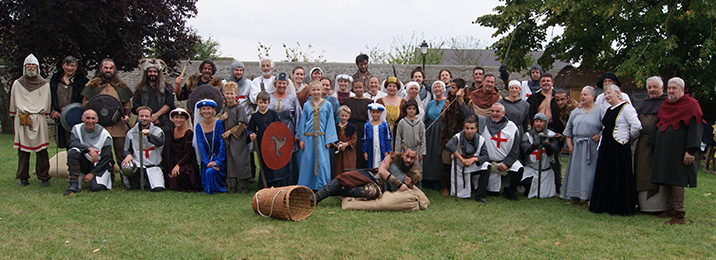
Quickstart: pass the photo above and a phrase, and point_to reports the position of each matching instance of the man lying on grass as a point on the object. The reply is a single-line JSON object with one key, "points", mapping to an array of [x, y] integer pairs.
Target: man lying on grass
{"points": [[397, 171]]}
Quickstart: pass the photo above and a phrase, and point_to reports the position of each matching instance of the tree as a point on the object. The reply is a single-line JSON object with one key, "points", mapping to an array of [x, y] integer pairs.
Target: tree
{"points": [[124, 30], [465, 49], [407, 52], [300, 54], [634, 38], [206, 49]]}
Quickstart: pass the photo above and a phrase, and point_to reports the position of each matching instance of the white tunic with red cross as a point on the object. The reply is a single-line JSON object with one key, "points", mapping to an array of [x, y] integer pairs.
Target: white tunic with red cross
{"points": [[151, 154], [546, 183], [498, 147]]}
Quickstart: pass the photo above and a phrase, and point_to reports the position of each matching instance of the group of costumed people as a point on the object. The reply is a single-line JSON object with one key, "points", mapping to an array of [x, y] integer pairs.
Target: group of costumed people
{"points": [[464, 140]]}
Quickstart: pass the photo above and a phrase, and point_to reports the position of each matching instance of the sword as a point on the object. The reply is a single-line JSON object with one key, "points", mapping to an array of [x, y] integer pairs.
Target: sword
{"points": [[141, 160]]}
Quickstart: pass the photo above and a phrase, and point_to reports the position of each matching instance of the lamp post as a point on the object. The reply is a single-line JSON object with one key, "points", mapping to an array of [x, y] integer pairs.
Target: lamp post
{"points": [[423, 51]]}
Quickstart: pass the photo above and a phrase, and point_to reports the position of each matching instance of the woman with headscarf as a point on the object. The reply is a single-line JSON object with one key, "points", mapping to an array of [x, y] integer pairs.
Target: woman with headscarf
{"points": [[516, 109], [211, 150], [181, 171], [342, 88], [315, 73], [433, 175], [413, 89], [582, 133], [289, 111], [614, 189]]}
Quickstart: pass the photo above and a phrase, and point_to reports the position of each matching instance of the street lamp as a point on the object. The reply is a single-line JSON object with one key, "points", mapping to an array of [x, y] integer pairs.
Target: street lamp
{"points": [[423, 51]]}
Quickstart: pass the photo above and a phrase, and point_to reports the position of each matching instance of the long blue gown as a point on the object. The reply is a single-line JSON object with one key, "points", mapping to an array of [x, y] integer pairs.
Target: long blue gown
{"points": [[315, 168], [212, 148]]}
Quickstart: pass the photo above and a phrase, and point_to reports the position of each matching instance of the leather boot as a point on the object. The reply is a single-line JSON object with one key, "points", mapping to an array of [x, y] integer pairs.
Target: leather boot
{"points": [[232, 185], [244, 186], [666, 214], [678, 218], [74, 187], [332, 188]]}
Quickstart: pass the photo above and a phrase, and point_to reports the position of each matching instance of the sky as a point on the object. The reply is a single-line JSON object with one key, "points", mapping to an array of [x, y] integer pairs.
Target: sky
{"points": [[341, 28]]}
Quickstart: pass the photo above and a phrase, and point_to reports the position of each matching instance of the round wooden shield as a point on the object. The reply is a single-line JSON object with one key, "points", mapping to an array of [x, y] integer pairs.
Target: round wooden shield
{"points": [[109, 109], [205, 91], [71, 115], [276, 145]]}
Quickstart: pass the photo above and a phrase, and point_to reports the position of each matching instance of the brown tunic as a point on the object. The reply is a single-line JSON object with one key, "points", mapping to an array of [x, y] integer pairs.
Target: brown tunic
{"points": [[347, 158]]}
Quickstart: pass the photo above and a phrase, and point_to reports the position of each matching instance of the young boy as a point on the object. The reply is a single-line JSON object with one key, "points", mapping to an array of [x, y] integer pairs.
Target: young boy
{"points": [[257, 125], [470, 162], [237, 149], [345, 147], [410, 132], [316, 131], [376, 136]]}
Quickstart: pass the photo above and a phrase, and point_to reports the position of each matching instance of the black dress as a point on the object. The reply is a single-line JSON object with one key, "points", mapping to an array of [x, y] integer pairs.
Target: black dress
{"points": [[614, 189]]}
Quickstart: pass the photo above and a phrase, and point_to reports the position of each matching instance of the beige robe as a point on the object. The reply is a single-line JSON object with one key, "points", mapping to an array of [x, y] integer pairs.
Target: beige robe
{"points": [[36, 104]]}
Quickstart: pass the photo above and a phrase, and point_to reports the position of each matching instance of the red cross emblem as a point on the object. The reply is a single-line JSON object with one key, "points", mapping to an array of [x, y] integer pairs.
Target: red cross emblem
{"points": [[536, 153], [146, 152], [498, 138]]}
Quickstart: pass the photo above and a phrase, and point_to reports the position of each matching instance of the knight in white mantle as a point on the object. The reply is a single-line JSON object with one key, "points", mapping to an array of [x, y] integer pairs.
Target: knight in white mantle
{"points": [[152, 143], [534, 180], [502, 139], [89, 156]]}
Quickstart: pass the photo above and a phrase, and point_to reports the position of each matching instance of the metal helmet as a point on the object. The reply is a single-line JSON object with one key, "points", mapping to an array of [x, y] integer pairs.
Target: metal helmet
{"points": [[128, 170]]}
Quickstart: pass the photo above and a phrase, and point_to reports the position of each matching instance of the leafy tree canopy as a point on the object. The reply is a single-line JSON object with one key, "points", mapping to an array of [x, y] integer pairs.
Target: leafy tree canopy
{"points": [[90, 30], [633, 38]]}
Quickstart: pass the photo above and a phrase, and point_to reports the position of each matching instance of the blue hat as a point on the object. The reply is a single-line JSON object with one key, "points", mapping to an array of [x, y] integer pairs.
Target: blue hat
{"points": [[281, 76], [206, 102], [376, 106]]}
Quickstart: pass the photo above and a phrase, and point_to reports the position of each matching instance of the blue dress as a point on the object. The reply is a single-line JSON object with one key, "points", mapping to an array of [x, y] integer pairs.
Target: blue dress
{"points": [[212, 148], [385, 138], [315, 168], [433, 162]]}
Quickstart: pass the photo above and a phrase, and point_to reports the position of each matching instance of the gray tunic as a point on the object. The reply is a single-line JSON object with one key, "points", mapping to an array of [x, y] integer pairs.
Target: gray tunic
{"points": [[237, 146], [517, 112], [579, 174]]}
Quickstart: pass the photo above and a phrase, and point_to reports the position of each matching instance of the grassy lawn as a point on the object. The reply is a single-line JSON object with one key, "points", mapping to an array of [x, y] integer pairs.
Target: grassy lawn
{"points": [[39, 222]]}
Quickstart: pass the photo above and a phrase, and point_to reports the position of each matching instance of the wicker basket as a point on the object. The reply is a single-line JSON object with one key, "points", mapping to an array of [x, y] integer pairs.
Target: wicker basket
{"points": [[288, 203]]}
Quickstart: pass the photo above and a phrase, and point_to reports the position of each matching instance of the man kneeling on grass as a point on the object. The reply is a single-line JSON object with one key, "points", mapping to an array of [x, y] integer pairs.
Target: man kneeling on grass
{"points": [[151, 143], [90, 154], [470, 166], [398, 171]]}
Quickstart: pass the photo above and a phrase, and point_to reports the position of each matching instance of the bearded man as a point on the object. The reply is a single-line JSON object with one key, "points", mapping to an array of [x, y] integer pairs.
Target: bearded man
{"points": [[207, 69], [243, 86], [29, 106], [362, 63], [107, 82], [502, 139], [676, 138], [482, 99], [152, 144], [154, 92]]}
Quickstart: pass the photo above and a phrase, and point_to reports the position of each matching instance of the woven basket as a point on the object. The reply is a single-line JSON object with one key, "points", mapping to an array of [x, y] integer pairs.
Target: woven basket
{"points": [[288, 203]]}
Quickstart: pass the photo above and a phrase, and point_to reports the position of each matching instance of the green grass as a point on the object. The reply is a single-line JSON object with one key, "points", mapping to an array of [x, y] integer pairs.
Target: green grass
{"points": [[39, 222]]}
